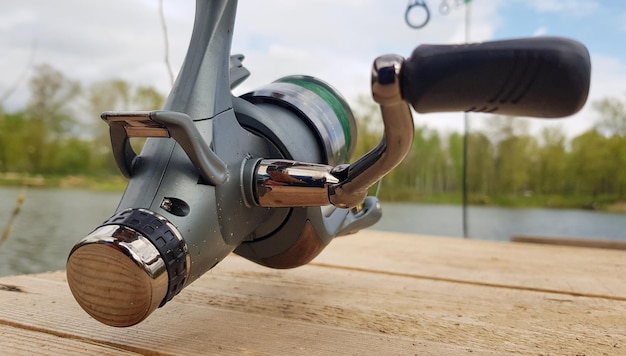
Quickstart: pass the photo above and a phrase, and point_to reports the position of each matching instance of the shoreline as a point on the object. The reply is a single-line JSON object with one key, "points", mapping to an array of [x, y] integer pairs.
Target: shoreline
{"points": [[117, 183]]}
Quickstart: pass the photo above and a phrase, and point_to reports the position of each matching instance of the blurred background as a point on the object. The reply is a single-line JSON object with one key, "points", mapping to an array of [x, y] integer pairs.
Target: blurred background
{"points": [[65, 62]]}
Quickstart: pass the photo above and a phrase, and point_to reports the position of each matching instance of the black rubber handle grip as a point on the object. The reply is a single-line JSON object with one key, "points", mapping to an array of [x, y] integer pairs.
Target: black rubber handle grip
{"points": [[540, 76]]}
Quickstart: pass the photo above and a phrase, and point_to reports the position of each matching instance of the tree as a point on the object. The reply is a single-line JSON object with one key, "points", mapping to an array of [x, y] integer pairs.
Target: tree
{"points": [[115, 95], [612, 124], [369, 126], [148, 98], [454, 180], [49, 115], [612, 116], [74, 157], [47, 136], [549, 174], [590, 163], [424, 168], [12, 142], [480, 164], [514, 151]]}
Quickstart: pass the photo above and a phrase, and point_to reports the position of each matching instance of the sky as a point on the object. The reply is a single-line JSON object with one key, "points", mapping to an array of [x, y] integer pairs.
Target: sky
{"points": [[334, 40]]}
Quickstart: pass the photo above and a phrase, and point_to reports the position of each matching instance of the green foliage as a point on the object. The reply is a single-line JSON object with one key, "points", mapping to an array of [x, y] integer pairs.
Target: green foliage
{"points": [[51, 136], [613, 112], [508, 166], [505, 164], [549, 175]]}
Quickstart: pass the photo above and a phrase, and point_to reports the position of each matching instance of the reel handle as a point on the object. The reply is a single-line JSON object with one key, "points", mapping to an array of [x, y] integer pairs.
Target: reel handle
{"points": [[541, 76]]}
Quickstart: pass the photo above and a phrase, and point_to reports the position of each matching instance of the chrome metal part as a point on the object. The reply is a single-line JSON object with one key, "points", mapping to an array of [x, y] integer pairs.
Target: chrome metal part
{"points": [[133, 263], [282, 183], [397, 137]]}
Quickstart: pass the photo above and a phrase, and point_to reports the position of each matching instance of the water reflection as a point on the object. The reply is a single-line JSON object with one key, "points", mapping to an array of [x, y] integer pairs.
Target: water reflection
{"points": [[49, 224], [53, 220], [493, 223]]}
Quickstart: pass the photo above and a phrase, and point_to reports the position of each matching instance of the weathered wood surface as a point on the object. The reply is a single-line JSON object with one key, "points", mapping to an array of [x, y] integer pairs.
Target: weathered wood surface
{"points": [[371, 293], [565, 241]]}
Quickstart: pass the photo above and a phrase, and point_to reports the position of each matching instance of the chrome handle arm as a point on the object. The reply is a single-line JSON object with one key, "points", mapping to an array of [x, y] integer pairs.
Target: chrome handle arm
{"points": [[284, 183], [356, 178]]}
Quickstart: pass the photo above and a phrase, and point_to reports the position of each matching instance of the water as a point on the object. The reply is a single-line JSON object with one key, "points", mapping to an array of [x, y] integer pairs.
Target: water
{"points": [[52, 221], [494, 223]]}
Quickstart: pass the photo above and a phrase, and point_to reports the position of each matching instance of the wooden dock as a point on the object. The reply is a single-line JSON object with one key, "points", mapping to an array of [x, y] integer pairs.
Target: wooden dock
{"points": [[372, 293]]}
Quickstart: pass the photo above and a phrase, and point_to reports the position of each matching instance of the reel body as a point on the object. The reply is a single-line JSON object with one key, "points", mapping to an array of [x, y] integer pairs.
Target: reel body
{"points": [[191, 199]]}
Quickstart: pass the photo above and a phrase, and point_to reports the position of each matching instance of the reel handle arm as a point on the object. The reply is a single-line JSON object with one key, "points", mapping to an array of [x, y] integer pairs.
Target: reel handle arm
{"points": [[359, 176], [285, 183]]}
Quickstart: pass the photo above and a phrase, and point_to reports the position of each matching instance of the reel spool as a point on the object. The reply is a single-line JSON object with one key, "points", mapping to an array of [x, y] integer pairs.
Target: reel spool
{"points": [[317, 106], [304, 119]]}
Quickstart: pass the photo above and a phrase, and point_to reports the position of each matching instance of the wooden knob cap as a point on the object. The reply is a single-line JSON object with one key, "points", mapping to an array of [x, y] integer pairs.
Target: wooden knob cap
{"points": [[117, 276]]}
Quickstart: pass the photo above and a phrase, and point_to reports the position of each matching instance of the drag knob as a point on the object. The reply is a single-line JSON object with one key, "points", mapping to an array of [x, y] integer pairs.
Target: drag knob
{"points": [[123, 271]]}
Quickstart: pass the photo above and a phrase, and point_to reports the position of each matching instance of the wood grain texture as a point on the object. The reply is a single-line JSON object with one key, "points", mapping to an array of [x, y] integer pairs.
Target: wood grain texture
{"points": [[110, 286], [559, 269], [20, 341], [567, 241], [371, 293]]}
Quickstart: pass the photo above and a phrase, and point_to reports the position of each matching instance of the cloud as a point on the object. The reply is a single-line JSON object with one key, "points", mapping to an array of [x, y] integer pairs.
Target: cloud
{"points": [[13, 20], [541, 31], [608, 76], [577, 8], [336, 41], [99, 40], [87, 41]]}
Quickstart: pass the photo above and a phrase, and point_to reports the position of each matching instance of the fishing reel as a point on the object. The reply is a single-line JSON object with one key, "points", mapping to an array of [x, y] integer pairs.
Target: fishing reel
{"points": [[268, 175], [262, 189]]}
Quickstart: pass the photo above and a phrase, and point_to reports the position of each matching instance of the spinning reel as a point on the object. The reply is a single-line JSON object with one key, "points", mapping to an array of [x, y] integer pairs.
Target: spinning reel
{"points": [[267, 175]]}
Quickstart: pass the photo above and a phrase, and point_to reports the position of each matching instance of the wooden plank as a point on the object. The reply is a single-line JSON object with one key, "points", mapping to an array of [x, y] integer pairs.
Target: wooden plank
{"points": [[358, 297], [20, 341], [193, 323], [475, 317], [568, 241], [559, 269]]}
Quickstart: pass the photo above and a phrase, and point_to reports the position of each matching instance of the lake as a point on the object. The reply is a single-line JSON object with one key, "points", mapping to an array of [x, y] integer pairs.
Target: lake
{"points": [[53, 220], [495, 223]]}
